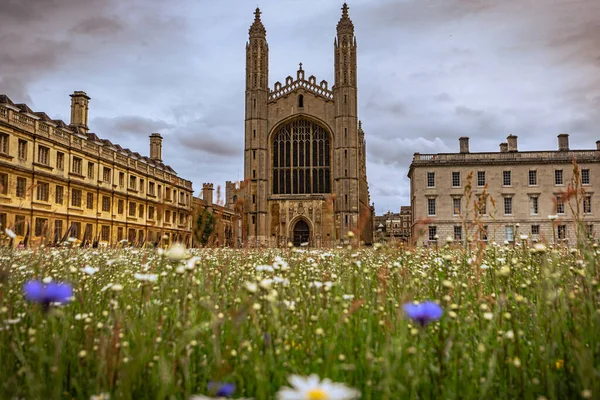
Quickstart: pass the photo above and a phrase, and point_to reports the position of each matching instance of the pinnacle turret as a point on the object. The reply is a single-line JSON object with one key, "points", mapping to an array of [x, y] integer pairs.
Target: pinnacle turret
{"points": [[257, 29], [345, 25]]}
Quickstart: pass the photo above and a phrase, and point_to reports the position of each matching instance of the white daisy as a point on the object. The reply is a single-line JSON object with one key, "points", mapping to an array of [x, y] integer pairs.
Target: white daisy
{"points": [[201, 397], [312, 388], [177, 252], [146, 277], [101, 396], [191, 263], [89, 270]]}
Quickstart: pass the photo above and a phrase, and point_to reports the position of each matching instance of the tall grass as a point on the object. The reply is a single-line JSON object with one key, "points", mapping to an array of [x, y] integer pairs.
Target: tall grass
{"points": [[519, 322]]}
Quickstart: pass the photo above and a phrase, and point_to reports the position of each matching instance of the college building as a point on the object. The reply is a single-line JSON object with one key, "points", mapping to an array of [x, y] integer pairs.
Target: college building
{"points": [[393, 227], [305, 178], [513, 195], [60, 181]]}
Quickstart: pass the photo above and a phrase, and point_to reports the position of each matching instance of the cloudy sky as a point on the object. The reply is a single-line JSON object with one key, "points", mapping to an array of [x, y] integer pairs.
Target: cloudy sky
{"points": [[429, 72]]}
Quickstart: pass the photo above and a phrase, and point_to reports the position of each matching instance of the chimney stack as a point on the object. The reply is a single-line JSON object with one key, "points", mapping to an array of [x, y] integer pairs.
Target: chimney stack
{"points": [[598, 145], [512, 143], [207, 193], [563, 142], [156, 147], [79, 110], [503, 147], [464, 144]]}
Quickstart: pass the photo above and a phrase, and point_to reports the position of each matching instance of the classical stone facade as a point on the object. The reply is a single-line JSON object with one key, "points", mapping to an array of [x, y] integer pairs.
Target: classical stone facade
{"points": [[304, 154], [513, 193], [59, 181]]}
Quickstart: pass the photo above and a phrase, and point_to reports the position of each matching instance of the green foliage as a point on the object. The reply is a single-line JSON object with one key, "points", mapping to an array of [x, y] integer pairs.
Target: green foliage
{"points": [[205, 227], [519, 322]]}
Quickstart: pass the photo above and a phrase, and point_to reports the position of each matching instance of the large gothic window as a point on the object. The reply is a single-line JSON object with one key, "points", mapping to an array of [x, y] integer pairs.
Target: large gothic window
{"points": [[301, 159]]}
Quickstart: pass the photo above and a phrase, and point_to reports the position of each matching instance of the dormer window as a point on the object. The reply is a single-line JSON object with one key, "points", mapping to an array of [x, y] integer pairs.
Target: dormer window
{"points": [[300, 101]]}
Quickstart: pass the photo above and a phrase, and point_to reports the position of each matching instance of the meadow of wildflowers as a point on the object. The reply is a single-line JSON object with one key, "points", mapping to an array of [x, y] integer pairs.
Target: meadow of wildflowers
{"points": [[500, 322]]}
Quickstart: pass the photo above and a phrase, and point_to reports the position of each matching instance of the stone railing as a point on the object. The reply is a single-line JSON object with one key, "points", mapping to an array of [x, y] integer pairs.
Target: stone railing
{"points": [[539, 156], [21, 119], [309, 85], [90, 146], [44, 127], [60, 136], [66, 137]]}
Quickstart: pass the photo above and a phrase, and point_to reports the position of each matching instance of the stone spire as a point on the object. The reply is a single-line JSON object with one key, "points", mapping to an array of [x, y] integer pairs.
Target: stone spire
{"points": [[257, 29], [345, 25]]}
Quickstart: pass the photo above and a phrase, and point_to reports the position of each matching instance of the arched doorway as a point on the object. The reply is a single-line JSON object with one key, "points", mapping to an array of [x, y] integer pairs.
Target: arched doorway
{"points": [[301, 233]]}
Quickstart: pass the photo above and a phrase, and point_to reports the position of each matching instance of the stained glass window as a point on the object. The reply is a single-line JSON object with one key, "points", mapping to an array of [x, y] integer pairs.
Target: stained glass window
{"points": [[301, 159]]}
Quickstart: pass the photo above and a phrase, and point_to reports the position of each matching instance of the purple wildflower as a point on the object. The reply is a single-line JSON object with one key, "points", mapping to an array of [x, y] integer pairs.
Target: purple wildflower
{"points": [[221, 389], [423, 313], [45, 294], [267, 338]]}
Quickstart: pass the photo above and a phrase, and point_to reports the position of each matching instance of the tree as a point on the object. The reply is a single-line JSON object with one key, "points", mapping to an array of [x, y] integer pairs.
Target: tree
{"points": [[205, 227]]}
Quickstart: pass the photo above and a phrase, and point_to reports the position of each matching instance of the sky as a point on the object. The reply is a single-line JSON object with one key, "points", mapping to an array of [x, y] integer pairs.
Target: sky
{"points": [[429, 71]]}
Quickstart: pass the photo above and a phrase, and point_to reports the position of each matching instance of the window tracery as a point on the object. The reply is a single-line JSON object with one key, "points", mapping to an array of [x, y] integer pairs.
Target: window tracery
{"points": [[301, 159]]}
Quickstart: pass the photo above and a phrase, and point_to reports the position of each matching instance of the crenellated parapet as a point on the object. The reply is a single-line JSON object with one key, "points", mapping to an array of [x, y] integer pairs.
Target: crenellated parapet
{"points": [[310, 85]]}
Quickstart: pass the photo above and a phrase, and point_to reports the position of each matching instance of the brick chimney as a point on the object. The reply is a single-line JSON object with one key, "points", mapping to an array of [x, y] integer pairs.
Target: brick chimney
{"points": [[512, 143], [503, 147], [464, 144], [156, 147], [79, 110], [563, 142], [207, 193]]}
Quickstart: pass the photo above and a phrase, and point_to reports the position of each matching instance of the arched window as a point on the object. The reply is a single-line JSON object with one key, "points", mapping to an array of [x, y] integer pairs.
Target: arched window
{"points": [[300, 101], [301, 159]]}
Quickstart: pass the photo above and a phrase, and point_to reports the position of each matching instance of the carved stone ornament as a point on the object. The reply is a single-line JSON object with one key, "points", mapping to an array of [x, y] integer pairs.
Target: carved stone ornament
{"points": [[300, 208]]}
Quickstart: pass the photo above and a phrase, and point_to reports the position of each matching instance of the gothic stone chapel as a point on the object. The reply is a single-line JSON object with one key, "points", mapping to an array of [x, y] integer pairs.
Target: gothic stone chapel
{"points": [[304, 152]]}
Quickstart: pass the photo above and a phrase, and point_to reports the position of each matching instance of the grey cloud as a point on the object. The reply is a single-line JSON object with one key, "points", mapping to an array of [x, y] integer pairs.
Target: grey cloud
{"points": [[127, 125], [468, 112], [59, 34], [443, 98], [430, 71], [212, 145], [382, 105], [100, 25], [400, 151]]}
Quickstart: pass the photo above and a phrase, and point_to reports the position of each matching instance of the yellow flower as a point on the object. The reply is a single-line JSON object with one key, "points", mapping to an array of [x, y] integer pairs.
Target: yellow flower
{"points": [[559, 364]]}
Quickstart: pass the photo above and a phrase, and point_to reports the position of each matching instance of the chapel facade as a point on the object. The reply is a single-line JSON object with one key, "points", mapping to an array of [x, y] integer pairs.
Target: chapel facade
{"points": [[305, 177]]}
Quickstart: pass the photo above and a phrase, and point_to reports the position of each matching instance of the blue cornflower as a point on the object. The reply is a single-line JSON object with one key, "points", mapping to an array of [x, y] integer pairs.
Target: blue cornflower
{"points": [[45, 294], [221, 389], [423, 313]]}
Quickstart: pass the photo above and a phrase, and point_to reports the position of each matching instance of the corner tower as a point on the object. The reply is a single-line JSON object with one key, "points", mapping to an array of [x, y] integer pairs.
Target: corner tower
{"points": [[346, 142], [256, 132]]}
